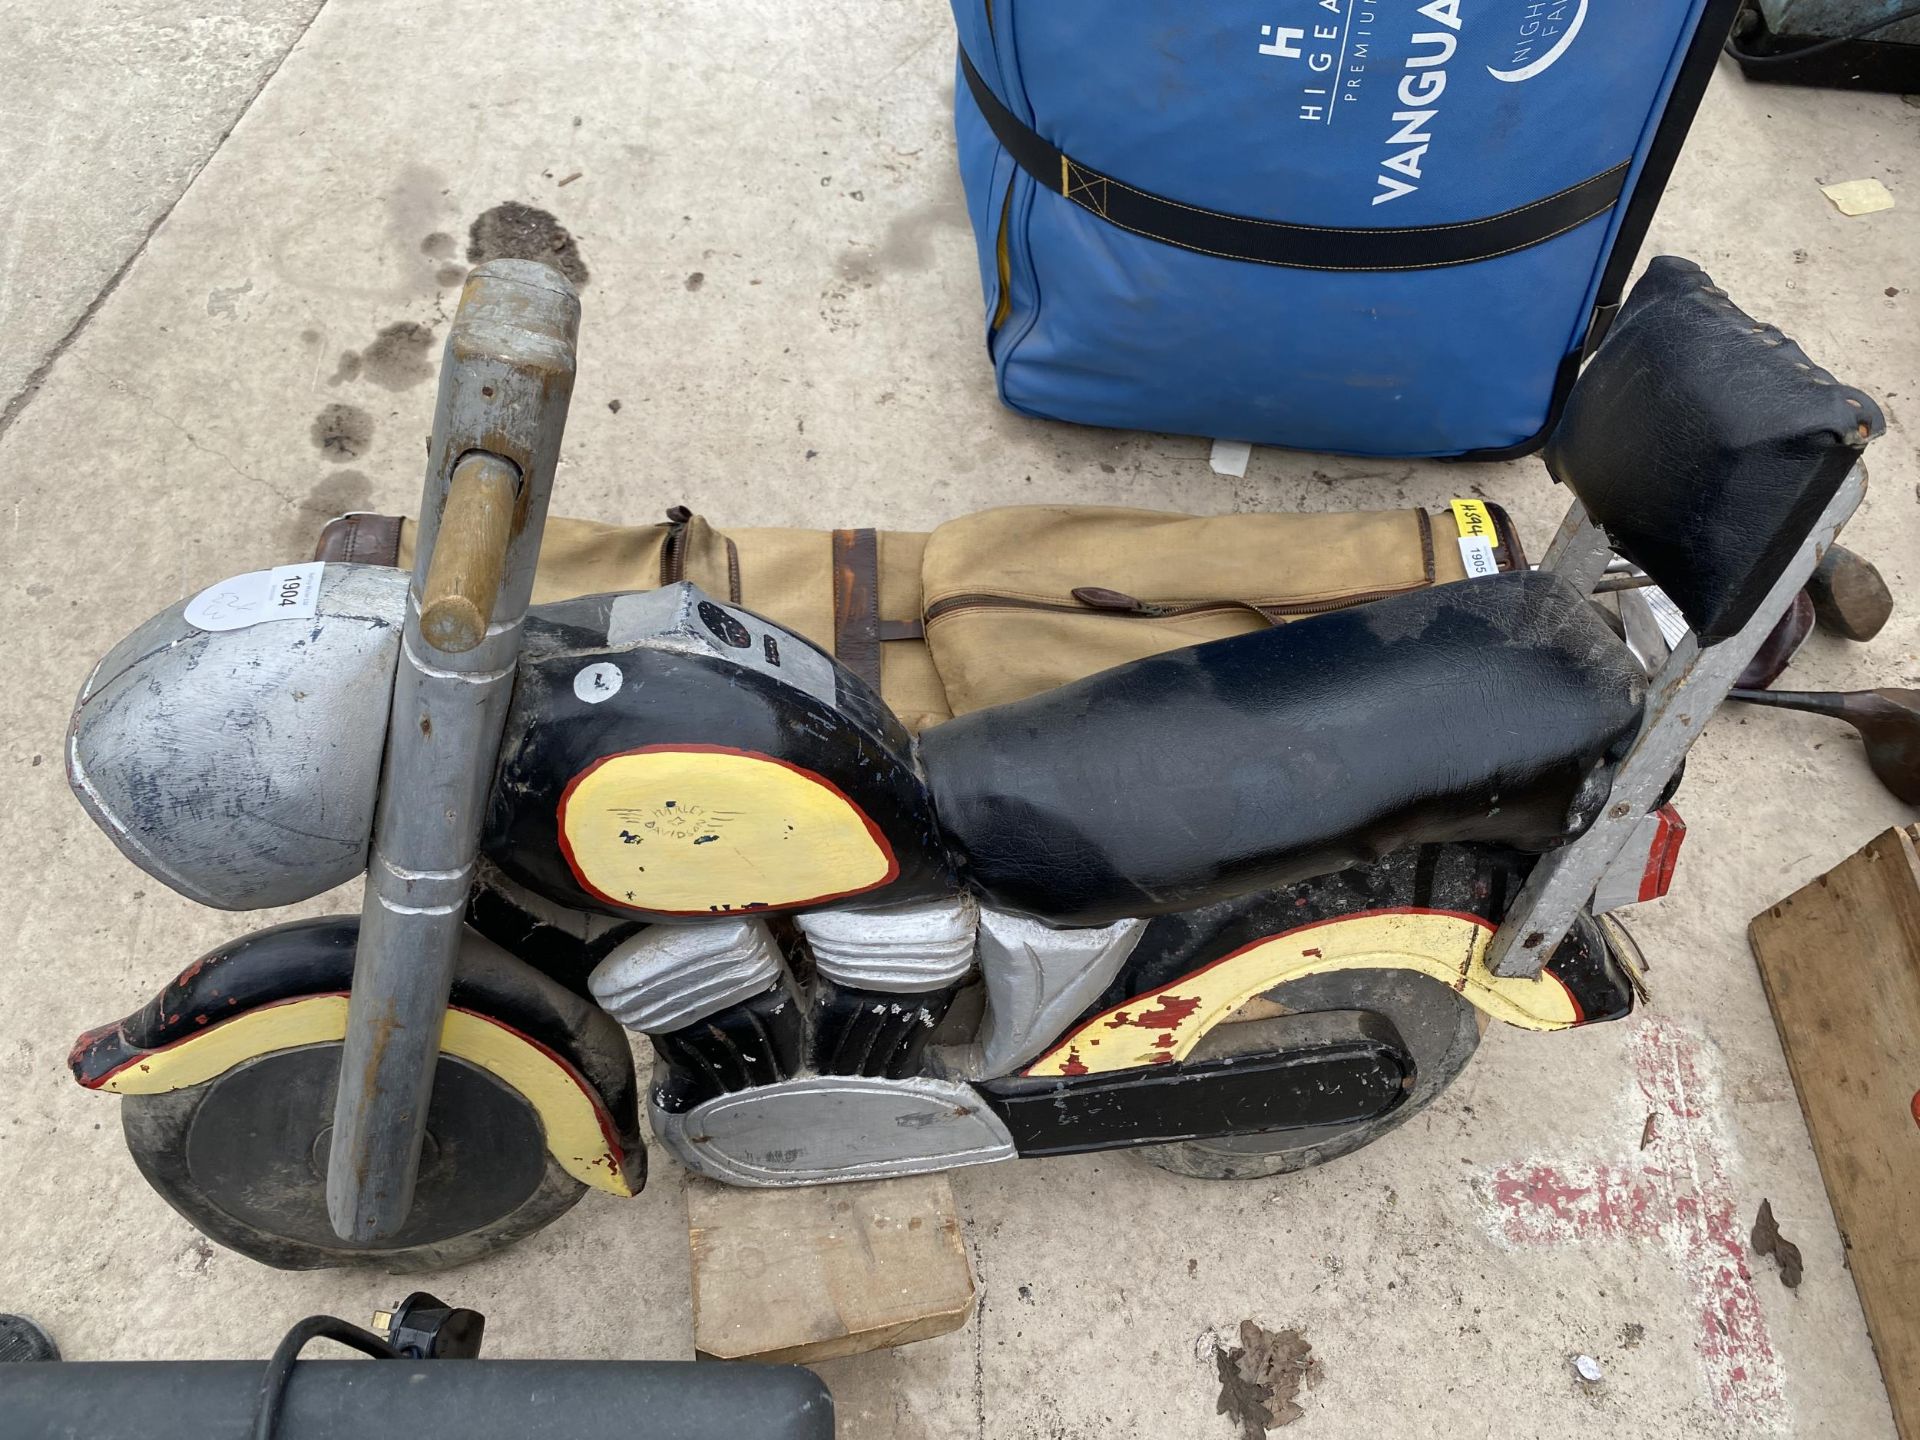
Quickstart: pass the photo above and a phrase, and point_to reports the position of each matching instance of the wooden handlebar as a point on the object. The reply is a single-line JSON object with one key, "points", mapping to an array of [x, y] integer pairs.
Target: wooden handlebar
{"points": [[469, 553]]}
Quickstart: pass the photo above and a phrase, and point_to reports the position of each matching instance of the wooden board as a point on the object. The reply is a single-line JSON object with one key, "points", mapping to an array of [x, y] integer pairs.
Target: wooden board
{"points": [[822, 1271], [1841, 962]]}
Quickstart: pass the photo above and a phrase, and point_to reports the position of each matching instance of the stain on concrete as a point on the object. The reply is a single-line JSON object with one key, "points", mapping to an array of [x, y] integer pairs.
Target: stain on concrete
{"points": [[513, 231], [338, 493], [223, 302], [439, 246], [696, 280], [416, 202], [907, 246], [342, 433], [400, 357], [449, 276]]}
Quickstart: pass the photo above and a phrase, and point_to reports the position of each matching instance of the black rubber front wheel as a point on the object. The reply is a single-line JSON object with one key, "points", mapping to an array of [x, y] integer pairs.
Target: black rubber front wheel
{"points": [[243, 1157]]}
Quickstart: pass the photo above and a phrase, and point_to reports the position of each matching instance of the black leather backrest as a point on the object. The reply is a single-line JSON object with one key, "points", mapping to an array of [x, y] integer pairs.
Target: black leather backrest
{"points": [[1706, 445]]}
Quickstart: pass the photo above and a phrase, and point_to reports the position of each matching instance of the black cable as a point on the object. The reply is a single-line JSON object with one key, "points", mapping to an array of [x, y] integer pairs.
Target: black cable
{"points": [[1748, 57], [273, 1384]]}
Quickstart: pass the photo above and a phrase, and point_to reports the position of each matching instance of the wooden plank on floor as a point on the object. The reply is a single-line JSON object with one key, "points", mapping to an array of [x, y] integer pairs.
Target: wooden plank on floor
{"points": [[795, 1276], [1841, 962]]}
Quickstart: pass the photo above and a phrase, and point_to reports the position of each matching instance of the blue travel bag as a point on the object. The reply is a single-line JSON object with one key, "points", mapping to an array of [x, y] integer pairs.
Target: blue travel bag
{"points": [[1376, 226]]}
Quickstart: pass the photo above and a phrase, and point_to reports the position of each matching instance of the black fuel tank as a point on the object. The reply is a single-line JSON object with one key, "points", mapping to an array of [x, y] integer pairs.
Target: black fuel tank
{"points": [[669, 756]]}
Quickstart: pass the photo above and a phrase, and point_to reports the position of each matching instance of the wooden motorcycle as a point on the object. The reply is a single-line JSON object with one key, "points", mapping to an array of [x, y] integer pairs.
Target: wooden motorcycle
{"points": [[1246, 905]]}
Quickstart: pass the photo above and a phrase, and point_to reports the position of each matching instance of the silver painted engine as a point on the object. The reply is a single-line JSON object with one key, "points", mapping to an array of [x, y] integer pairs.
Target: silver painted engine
{"points": [[813, 1127]]}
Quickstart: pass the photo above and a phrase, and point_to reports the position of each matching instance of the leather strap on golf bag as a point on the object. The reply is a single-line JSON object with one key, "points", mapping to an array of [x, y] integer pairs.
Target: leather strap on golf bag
{"points": [[1005, 603]]}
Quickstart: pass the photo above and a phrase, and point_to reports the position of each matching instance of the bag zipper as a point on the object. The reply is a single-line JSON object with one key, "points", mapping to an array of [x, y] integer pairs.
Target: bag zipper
{"points": [[1003, 262], [1098, 600], [673, 553]]}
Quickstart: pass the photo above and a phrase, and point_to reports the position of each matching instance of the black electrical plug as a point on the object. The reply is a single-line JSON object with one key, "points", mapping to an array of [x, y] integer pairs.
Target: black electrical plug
{"points": [[423, 1327]]}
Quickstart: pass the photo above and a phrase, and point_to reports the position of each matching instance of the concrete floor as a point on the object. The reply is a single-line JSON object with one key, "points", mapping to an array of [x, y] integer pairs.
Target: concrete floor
{"points": [[800, 160]]}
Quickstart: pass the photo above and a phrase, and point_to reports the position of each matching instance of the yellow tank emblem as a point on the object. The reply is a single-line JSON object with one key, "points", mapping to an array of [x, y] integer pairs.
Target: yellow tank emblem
{"points": [[705, 830]]}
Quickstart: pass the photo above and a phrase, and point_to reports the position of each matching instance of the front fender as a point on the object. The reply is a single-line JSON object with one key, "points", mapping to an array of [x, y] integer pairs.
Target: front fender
{"points": [[287, 986]]}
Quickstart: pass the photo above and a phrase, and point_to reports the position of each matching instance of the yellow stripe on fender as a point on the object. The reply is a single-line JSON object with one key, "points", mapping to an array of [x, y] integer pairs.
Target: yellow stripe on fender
{"points": [[1165, 1024], [578, 1131]]}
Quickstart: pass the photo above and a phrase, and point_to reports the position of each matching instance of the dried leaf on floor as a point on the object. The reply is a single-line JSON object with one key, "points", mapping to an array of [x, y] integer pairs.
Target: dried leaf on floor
{"points": [[1260, 1377], [1767, 1240]]}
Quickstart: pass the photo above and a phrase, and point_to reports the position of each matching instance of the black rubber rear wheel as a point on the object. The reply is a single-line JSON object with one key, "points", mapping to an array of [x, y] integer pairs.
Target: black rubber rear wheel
{"points": [[1439, 1026], [243, 1157]]}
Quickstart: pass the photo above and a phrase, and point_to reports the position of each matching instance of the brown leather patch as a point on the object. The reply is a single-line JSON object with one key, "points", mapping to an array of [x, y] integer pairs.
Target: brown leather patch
{"points": [[360, 539], [856, 602], [1509, 554]]}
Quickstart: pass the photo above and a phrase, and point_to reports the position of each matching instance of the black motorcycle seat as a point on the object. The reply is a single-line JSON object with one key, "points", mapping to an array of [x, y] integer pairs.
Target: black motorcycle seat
{"points": [[1486, 710]]}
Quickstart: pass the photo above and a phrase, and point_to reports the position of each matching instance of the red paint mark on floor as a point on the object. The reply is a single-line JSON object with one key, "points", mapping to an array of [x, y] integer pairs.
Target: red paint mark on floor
{"points": [[1545, 1204], [1677, 1193], [1073, 1065]]}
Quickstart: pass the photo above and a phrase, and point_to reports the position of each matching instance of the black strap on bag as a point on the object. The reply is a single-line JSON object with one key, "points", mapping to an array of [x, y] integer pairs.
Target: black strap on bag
{"points": [[1276, 242]]}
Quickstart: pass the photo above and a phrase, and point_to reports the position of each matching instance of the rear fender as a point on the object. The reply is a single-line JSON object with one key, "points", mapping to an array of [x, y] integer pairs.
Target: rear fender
{"points": [[1431, 910]]}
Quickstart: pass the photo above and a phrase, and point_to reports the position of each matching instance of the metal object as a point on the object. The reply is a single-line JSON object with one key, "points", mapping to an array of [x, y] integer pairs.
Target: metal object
{"points": [[425, 1327], [1579, 553], [1643, 633], [685, 618], [1680, 701], [1613, 583], [1850, 597], [1643, 870], [417, 1399], [1783, 642], [834, 1127], [1649, 642], [1312, 1074], [669, 976], [240, 766], [23, 1342], [1888, 721], [1038, 979], [1846, 44], [906, 950], [504, 386]]}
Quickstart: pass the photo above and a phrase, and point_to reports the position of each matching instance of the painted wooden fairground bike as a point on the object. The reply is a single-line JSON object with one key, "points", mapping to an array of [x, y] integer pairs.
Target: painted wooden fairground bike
{"points": [[1246, 906]]}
